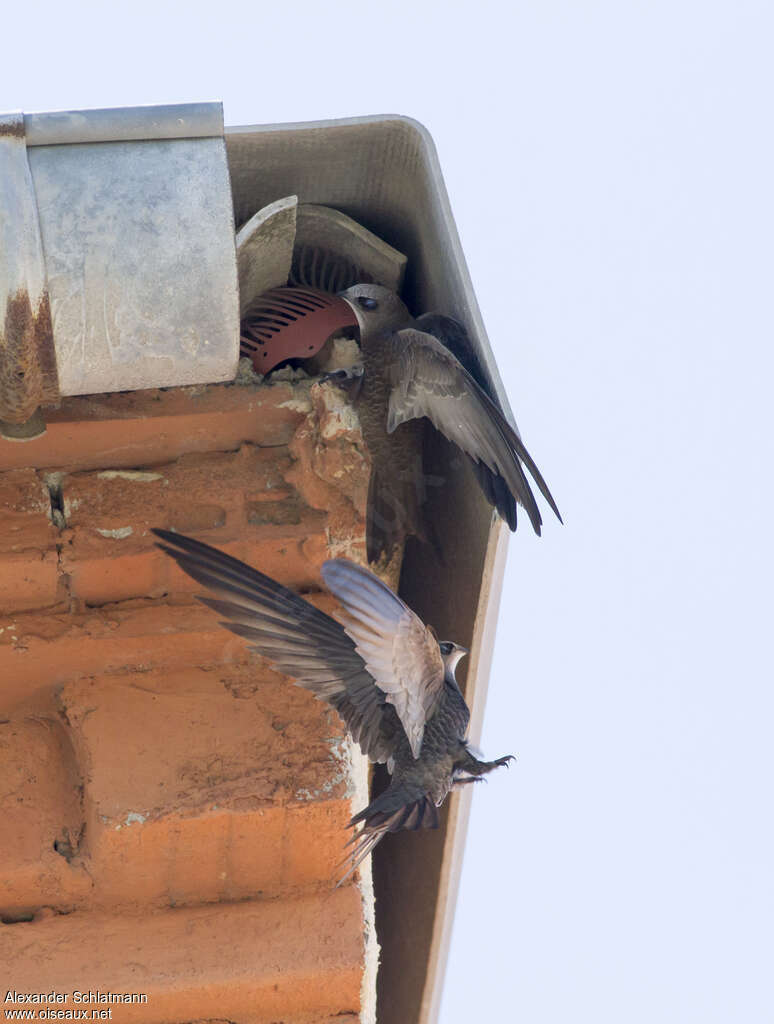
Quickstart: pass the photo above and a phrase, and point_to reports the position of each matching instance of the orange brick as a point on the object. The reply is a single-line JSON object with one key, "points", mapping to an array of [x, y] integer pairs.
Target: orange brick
{"points": [[259, 962], [145, 428], [40, 797], [239, 501], [25, 512], [29, 580], [28, 538], [192, 744], [223, 855], [171, 767], [39, 652], [216, 757], [289, 554]]}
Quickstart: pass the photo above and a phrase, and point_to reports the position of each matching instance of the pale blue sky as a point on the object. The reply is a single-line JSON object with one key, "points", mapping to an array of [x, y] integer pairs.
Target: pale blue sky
{"points": [[611, 167]]}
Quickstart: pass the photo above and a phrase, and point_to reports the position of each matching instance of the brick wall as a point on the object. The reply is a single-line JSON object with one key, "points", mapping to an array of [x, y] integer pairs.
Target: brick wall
{"points": [[173, 810]]}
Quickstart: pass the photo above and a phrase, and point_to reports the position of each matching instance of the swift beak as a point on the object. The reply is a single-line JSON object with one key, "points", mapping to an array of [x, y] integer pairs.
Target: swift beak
{"points": [[355, 311]]}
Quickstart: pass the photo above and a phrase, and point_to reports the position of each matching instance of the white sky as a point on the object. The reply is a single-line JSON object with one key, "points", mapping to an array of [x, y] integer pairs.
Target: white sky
{"points": [[610, 166]]}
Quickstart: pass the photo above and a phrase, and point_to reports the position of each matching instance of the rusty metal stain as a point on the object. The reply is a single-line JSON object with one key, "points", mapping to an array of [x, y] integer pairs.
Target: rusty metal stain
{"points": [[12, 128], [28, 375], [28, 368]]}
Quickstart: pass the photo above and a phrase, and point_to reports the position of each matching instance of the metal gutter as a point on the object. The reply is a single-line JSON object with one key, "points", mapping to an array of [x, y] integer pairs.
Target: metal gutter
{"points": [[125, 217], [384, 172]]}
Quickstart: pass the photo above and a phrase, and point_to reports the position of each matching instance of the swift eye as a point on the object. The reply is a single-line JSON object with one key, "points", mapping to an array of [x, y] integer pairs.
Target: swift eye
{"points": [[366, 302]]}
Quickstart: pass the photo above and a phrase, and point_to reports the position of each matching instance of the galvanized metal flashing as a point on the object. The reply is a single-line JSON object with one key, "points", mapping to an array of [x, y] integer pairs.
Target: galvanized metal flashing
{"points": [[134, 233], [125, 124]]}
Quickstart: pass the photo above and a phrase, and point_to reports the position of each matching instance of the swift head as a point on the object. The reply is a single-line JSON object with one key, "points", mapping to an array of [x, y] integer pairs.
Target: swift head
{"points": [[451, 653], [377, 309]]}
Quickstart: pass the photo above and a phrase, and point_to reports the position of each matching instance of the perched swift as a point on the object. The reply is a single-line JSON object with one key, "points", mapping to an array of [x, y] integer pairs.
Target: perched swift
{"points": [[376, 663], [414, 369]]}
